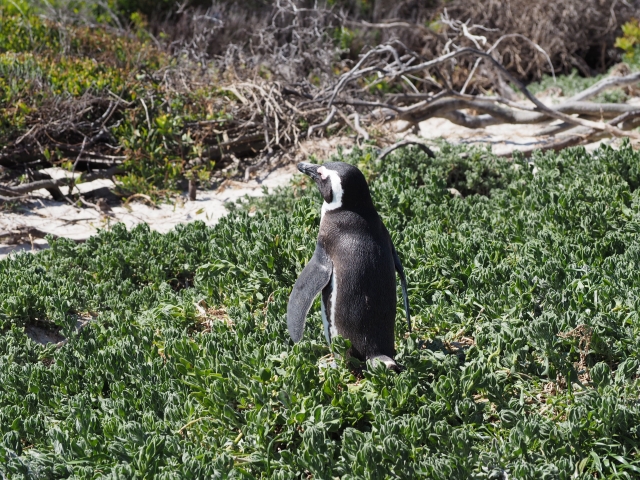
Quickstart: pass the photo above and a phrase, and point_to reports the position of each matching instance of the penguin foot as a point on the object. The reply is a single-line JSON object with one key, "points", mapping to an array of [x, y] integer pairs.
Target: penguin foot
{"points": [[389, 362]]}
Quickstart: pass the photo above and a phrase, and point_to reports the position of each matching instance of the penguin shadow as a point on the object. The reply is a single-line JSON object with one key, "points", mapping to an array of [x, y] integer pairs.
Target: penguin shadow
{"points": [[341, 355], [458, 348], [353, 365]]}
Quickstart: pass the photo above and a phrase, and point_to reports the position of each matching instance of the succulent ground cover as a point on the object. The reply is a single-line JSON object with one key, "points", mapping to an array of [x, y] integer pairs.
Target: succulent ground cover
{"points": [[524, 361]]}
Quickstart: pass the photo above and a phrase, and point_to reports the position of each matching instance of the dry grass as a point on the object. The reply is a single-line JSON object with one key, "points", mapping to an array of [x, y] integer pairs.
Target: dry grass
{"points": [[574, 33]]}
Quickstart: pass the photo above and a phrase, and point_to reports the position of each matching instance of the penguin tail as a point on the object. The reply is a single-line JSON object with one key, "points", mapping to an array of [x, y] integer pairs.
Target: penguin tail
{"points": [[389, 362]]}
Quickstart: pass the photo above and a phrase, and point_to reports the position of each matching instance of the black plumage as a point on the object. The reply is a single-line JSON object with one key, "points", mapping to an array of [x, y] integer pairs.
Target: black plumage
{"points": [[354, 265]]}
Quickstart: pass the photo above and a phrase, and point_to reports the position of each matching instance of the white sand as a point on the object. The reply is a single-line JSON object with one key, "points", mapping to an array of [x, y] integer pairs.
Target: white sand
{"points": [[68, 221]]}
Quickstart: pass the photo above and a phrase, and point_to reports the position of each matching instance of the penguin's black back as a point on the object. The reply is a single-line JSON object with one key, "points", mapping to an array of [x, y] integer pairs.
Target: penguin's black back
{"points": [[360, 248]]}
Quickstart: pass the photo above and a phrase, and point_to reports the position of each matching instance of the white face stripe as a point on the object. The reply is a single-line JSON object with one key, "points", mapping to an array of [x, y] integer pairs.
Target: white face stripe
{"points": [[336, 189]]}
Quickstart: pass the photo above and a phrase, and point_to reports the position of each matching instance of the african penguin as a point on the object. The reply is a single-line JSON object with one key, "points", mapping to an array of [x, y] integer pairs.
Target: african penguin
{"points": [[354, 265]]}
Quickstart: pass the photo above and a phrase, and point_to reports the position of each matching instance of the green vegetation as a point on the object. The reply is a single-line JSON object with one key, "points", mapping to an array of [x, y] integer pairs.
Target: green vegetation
{"points": [[569, 85], [629, 42], [57, 84], [525, 356]]}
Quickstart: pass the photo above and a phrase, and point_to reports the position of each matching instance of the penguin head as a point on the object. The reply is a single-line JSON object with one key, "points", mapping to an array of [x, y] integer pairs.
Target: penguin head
{"points": [[341, 185]]}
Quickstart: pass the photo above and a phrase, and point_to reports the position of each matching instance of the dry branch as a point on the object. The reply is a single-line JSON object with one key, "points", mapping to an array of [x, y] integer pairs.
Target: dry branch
{"points": [[270, 114], [401, 144], [37, 185], [583, 135], [606, 84], [17, 235], [497, 114]]}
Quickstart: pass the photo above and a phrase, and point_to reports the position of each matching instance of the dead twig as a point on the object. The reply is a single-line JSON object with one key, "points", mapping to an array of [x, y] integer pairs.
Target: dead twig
{"points": [[582, 136], [325, 123], [37, 185], [404, 143]]}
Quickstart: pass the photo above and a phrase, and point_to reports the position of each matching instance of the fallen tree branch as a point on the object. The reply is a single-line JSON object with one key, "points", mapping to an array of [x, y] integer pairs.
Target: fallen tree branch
{"points": [[549, 111], [9, 199], [8, 192], [625, 117], [497, 114], [38, 184], [606, 84], [404, 143], [557, 145], [53, 185], [552, 130], [100, 174], [16, 236], [580, 137], [325, 123]]}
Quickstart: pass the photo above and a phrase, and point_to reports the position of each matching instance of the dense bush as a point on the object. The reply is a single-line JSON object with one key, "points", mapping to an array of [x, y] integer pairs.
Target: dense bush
{"points": [[59, 85], [524, 360]]}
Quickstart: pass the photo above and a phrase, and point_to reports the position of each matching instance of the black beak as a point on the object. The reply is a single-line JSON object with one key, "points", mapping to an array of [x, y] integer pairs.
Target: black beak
{"points": [[309, 169]]}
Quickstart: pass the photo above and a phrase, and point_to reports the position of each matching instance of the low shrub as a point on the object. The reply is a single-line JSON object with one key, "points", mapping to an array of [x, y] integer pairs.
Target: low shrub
{"points": [[523, 362]]}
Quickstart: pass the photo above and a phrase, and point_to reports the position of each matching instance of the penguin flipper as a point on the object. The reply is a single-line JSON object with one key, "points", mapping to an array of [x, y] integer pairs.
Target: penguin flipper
{"points": [[314, 277], [403, 282]]}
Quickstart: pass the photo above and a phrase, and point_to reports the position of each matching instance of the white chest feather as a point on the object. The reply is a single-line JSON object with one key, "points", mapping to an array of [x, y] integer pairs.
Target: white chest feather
{"points": [[329, 321]]}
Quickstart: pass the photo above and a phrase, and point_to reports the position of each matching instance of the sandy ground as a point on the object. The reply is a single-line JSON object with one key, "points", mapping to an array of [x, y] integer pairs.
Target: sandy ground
{"points": [[66, 220], [69, 221]]}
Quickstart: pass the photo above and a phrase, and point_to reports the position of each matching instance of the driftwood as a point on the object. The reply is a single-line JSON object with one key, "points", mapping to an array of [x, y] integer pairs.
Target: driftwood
{"points": [[21, 192], [37, 185], [627, 121], [606, 84]]}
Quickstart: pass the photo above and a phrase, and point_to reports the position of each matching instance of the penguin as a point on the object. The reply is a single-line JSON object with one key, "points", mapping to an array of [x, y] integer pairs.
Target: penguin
{"points": [[354, 266]]}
